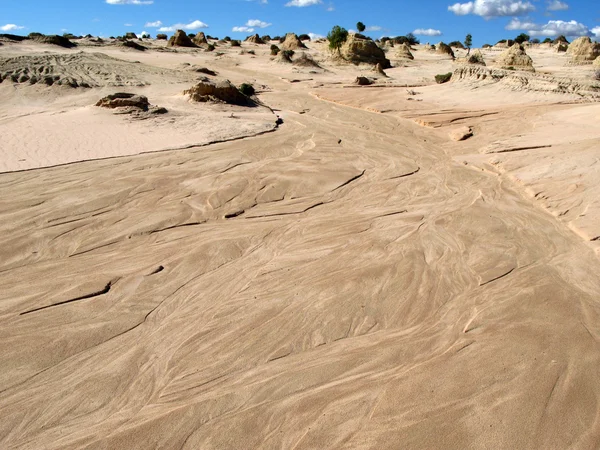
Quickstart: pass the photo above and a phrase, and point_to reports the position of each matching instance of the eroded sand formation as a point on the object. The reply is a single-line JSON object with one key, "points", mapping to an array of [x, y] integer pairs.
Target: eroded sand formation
{"points": [[354, 278]]}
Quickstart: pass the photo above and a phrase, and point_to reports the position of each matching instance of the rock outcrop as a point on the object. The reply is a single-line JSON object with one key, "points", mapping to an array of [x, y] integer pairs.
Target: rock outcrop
{"points": [[461, 133], [221, 92], [583, 51], [255, 39], [597, 62], [200, 39], [403, 52], [180, 39], [359, 50], [363, 81], [444, 49], [515, 58], [525, 81], [292, 42], [124, 100]]}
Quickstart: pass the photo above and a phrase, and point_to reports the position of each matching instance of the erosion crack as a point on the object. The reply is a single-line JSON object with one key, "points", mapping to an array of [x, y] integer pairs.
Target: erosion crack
{"points": [[106, 290]]}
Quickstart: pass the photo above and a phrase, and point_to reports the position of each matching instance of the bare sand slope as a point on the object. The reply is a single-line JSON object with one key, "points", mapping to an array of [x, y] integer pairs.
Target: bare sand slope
{"points": [[342, 283], [355, 279]]}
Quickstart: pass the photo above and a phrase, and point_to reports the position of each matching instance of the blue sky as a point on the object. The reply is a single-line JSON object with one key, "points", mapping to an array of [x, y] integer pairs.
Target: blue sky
{"points": [[432, 20]]}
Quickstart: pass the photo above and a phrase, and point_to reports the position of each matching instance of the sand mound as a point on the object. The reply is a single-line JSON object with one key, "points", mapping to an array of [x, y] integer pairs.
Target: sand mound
{"points": [[283, 57], [515, 58], [444, 49], [358, 49], [255, 39], [61, 41], [475, 58], [292, 42], [180, 39], [77, 70], [561, 47], [200, 39], [403, 52], [305, 60], [583, 51], [597, 61], [220, 91], [134, 45], [379, 69]]}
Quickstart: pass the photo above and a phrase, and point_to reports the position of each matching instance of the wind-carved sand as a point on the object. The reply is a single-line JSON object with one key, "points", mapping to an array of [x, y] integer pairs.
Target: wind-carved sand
{"points": [[353, 279]]}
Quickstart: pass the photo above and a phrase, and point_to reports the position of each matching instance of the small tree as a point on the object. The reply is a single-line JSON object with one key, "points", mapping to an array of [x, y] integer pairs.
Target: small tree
{"points": [[360, 27], [468, 43], [411, 39], [337, 36], [522, 38]]}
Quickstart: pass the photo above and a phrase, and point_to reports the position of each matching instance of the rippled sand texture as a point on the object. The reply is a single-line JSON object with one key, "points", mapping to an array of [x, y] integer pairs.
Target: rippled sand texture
{"points": [[347, 281]]}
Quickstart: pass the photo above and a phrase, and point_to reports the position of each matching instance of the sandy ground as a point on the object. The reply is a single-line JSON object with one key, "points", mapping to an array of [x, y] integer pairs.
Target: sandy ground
{"points": [[352, 279]]}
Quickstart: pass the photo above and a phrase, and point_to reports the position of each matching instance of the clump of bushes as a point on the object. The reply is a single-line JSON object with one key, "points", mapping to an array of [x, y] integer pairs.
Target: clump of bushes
{"points": [[443, 77], [276, 38], [274, 50], [457, 44], [247, 89], [210, 48], [235, 43], [227, 39], [130, 35], [161, 37], [266, 38], [288, 53], [304, 37]]}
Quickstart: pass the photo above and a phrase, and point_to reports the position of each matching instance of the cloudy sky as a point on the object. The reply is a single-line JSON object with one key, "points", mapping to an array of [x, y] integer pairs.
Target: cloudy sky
{"points": [[432, 20]]}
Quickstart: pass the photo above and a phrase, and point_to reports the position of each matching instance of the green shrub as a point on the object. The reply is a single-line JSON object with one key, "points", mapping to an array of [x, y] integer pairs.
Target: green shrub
{"points": [[227, 39], [288, 53], [360, 27], [247, 89], [443, 78], [236, 43], [161, 36], [210, 48], [266, 38], [337, 36]]}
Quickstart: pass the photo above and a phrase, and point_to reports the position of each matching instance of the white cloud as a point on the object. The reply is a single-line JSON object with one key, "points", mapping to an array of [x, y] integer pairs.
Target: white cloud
{"points": [[262, 2], [427, 32], [596, 31], [557, 5], [143, 34], [314, 36], [128, 25], [129, 2], [493, 8], [11, 27], [156, 24], [331, 8], [242, 29], [373, 28], [195, 25], [551, 29], [303, 3], [255, 23]]}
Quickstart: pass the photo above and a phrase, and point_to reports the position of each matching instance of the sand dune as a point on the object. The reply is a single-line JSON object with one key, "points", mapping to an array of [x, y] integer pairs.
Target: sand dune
{"points": [[353, 279]]}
